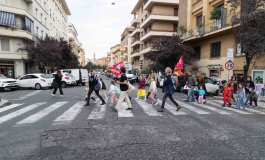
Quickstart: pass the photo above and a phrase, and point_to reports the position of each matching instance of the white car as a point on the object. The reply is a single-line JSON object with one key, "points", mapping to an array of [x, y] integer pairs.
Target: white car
{"points": [[37, 81], [80, 75], [211, 86], [8, 83], [67, 79]]}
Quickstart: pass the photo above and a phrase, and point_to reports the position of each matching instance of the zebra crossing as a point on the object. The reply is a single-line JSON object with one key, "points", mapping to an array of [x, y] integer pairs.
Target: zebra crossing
{"points": [[71, 112]]}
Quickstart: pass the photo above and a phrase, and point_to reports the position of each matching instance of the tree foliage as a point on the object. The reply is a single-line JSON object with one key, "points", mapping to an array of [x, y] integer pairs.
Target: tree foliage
{"points": [[49, 53], [167, 51], [249, 28]]}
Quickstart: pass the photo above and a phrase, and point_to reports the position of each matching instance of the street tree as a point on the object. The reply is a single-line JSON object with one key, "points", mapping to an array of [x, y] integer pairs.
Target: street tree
{"points": [[249, 28], [69, 60], [166, 51]]}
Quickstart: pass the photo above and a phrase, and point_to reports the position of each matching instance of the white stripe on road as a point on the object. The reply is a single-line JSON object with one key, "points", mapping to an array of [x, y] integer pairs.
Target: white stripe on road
{"points": [[98, 112], [172, 109], [27, 95], [9, 107], [122, 112], [20, 112], [68, 116], [148, 108], [191, 108], [41, 114], [228, 108], [213, 109]]}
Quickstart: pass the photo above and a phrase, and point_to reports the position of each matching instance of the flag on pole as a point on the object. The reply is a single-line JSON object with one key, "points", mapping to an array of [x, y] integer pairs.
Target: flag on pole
{"points": [[117, 68], [179, 67]]}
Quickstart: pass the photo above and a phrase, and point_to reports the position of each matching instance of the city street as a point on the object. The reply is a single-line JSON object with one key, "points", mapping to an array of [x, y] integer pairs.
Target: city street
{"points": [[35, 125]]}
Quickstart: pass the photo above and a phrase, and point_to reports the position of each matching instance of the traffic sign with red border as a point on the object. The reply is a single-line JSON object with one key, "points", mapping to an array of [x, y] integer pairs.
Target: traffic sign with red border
{"points": [[229, 65]]}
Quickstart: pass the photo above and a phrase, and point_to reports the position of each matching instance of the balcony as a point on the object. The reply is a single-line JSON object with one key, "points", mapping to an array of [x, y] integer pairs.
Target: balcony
{"points": [[146, 50], [137, 30], [160, 17], [134, 22], [135, 54], [13, 32], [154, 33], [151, 3]]}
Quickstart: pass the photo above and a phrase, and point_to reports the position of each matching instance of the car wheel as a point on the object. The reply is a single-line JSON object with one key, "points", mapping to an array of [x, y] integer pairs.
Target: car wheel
{"points": [[64, 84], [38, 86], [13, 89]]}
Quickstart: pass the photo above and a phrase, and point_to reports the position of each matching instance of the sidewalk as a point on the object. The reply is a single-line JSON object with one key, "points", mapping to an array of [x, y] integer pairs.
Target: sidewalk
{"points": [[3, 102]]}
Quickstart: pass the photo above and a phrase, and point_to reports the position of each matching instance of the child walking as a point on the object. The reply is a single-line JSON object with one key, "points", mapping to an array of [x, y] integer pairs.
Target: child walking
{"points": [[253, 97], [153, 90], [141, 88], [241, 95], [201, 98], [227, 95], [113, 91]]}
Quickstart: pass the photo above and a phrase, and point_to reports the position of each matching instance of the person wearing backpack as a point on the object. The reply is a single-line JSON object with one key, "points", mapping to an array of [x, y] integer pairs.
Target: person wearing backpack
{"points": [[168, 90], [114, 91], [94, 85]]}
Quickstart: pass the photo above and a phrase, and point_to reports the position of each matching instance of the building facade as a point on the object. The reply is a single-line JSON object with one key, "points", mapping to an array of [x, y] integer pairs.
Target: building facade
{"points": [[102, 61], [23, 20], [126, 45]]}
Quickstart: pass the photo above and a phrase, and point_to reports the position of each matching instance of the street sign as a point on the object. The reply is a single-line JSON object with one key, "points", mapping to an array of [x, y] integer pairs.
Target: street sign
{"points": [[229, 65], [230, 54]]}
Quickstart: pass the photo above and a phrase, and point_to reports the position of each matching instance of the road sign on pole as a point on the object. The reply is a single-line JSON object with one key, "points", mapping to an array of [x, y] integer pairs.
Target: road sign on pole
{"points": [[229, 65]]}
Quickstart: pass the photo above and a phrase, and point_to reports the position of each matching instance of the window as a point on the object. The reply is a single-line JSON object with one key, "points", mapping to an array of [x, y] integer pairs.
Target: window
{"points": [[42, 34], [176, 11], [5, 45], [41, 17], [197, 53], [215, 49], [175, 27], [199, 21], [37, 31], [36, 12]]}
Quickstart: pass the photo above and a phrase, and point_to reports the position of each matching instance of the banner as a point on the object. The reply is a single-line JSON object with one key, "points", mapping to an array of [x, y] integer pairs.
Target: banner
{"points": [[179, 67], [115, 69]]}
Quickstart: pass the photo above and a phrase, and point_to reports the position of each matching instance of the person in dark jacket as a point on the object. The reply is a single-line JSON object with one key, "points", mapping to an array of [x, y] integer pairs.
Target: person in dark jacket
{"points": [[168, 90], [192, 84], [249, 84], [57, 83]]}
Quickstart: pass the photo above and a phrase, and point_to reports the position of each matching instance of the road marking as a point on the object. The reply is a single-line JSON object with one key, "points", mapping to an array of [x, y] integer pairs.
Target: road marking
{"points": [[68, 116], [191, 108], [41, 114], [172, 109], [98, 112], [26, 96], [10, 107], [231, 109], [122, 112], [213, 109], [148, 108], [20, 112]]}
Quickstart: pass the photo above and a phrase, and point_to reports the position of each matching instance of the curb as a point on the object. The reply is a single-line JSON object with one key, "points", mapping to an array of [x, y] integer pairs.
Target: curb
{"points": [[3, 102]]}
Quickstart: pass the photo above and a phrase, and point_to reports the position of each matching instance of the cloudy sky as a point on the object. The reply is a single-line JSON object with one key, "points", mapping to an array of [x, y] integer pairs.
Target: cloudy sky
{"points": [[99, 23]]}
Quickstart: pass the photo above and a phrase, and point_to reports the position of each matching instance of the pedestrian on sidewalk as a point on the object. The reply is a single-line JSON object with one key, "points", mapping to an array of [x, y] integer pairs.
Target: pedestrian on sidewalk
{"points": [[241, 95], [153, 90], [227, 95], [258, 88], [124, 90], [201, 95], [94, 86], [253, 97], [168, 90], [191, 84], [141, 87], [57, 83], [249, 84], [114, 91]]}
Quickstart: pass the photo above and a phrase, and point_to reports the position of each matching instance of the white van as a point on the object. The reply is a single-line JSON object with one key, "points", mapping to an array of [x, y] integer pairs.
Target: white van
{"points": [[80, 75]]}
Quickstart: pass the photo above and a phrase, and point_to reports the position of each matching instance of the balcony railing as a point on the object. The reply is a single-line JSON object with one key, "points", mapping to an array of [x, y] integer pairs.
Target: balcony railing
{"points": [[199, 31], [135, 39]]}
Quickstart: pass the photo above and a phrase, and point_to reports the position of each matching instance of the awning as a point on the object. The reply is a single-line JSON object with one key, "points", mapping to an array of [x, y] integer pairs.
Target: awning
{"points": [[7, 19]]}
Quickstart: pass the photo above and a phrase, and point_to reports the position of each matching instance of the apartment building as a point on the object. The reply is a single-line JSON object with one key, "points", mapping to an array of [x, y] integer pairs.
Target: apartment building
{"points": [[102, 61], [126, 45], [75, 45], [23, 20], [115, 55], [210, 33]]}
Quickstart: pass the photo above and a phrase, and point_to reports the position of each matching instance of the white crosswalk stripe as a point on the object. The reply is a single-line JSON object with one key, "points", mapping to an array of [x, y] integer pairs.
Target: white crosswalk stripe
{"points": [[191, 108], [172, 109], [20, 112], [10, 107], [98, 112], [231, 109], [41, 114], [213, 109], [148, 108], [122, 112], [27, 95], [68, 116]]}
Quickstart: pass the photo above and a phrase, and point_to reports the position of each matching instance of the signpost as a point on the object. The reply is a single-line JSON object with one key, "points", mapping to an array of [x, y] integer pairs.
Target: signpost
{"points": [[229, 65]]}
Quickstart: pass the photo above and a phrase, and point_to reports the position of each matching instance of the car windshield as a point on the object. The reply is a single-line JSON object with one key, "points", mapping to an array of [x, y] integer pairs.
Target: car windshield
{"points": [[2, 76], [46, 76]]}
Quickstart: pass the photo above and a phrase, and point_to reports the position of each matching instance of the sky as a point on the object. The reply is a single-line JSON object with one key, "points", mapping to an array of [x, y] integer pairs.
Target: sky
{"points": [[99, 23]]}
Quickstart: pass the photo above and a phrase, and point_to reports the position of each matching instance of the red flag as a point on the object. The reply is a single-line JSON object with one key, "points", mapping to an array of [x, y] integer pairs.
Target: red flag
{"points": [[117, 68], [179, 67]]}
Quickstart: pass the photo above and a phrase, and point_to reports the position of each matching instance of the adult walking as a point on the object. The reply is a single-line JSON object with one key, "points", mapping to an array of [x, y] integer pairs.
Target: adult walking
{"points": [[249, 84], [192, 84], [168, 90], [94, 85], [124, 90], [57, 83]]}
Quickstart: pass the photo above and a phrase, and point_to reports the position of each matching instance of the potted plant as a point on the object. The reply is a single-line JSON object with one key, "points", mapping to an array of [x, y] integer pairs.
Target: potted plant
{"points": [[216, 13]]}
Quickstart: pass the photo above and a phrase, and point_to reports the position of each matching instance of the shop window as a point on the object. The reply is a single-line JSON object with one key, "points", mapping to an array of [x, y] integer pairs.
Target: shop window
{"points": [[5, 45], [213, 73], [215, 50], [197, 53]]}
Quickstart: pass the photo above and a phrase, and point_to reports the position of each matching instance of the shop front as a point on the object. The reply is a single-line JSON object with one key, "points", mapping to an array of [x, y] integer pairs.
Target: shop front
{"points": [[215, 70], [7, 69], [258, 75]]}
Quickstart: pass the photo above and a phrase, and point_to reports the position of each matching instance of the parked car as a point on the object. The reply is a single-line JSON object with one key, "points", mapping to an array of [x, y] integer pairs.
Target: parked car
{"points": [[8, 83], [37, 81], [211, 85], [80, 75], [67, 79]]}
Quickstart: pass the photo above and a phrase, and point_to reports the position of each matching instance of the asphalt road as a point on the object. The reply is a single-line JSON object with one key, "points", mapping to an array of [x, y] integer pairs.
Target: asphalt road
{"points": [[36, 125]]}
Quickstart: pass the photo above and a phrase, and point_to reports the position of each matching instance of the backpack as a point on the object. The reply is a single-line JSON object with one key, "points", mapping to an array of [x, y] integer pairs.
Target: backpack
{"points": [[98, 86], [117, 90], [103, 84]]}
